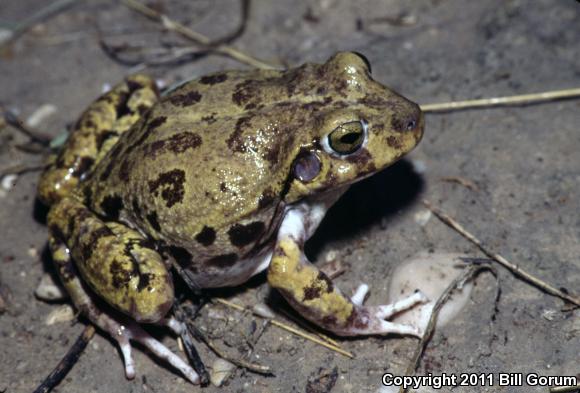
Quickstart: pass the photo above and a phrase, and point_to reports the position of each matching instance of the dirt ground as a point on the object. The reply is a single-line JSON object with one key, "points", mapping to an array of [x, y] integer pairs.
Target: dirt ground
{"points": [[523, 161]]}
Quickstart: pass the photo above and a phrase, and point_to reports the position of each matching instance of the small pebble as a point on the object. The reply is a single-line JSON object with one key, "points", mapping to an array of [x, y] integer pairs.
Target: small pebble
{"points": [[264, 311], [32, 252], [423, 216], [64, 313], [40, 114], [9, 181], [220, 371], [48, 290]]}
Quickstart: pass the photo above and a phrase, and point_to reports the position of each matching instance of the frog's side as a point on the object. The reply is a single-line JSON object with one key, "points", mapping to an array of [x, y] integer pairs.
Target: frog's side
{"points": [[226, 176]]}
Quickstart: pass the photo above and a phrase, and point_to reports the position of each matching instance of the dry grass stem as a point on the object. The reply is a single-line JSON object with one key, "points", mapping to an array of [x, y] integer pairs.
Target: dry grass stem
{"points": [[291, 329], [461, 181], [196, 37], [565, 389], [516, 270], [238, 362], [524, 99]]}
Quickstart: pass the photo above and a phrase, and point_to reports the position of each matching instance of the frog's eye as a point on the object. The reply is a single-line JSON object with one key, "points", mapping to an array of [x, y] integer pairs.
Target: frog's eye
{"points": [[348, 137]]}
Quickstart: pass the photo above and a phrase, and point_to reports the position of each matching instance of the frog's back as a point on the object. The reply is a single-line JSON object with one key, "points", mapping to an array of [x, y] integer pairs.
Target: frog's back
{"points": [[206, 167]]}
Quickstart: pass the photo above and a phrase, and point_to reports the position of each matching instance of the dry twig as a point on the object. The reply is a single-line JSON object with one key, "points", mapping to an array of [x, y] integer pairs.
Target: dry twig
{"points": [[20, 169], [290, 329], [16, 122], [35, 18], [67, 362], [257, 368], [196, 37], [565, 389], [516, 270], [461, 181]]}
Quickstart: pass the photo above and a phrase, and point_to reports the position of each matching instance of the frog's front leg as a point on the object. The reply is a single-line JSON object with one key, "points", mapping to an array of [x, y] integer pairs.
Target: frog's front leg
{"points": [[116, 262], [314, 295]]}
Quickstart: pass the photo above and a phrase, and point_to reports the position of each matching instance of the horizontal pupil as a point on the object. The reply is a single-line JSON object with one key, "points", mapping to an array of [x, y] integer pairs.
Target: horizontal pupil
{"points": [[349, 138]]}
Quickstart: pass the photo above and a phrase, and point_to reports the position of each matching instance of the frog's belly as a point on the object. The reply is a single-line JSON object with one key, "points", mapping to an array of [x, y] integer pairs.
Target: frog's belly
{"points": [[235, 275]]}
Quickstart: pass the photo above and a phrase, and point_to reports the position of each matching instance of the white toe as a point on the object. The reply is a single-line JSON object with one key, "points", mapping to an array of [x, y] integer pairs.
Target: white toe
{"points": [[359, 295]]}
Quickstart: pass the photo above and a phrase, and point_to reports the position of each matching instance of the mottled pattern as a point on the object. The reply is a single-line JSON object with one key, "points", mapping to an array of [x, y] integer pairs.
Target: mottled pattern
{"points": [[202, 179]]}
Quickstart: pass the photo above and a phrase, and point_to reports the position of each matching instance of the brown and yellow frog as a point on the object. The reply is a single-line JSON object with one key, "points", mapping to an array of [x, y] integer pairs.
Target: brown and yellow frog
{"points": [[219, 179]]}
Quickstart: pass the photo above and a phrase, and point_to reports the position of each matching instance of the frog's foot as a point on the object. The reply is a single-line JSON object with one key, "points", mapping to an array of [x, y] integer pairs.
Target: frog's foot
{"points": [[124, 330], [371, 319]]}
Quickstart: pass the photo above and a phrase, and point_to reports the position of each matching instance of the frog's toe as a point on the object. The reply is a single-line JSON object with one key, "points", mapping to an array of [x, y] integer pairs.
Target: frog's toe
{"points": [[162, 352], [360, 294], [389, 310], [367, 320], [126, 330]]}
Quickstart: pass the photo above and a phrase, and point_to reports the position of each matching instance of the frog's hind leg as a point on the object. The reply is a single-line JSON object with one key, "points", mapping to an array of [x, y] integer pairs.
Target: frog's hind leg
{"points": [[314, 295], [95, 133], [117, 264]]}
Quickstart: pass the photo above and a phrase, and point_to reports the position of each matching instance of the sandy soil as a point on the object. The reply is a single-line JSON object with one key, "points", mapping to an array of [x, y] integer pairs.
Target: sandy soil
{"points": [[524, 162]]}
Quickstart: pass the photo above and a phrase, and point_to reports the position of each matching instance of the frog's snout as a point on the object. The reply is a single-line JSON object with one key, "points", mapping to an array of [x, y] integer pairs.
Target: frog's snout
{"points": [[409, 121]]}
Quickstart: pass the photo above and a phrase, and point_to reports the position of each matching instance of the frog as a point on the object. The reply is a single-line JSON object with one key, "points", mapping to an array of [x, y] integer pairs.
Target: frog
{"points": [[219, 179]]}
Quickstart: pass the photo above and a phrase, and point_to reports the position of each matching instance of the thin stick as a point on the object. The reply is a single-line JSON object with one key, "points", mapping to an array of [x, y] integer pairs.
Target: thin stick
{"points": [[67, 362], [565, 389], [196, 37], [20, 169], [257, 368], [194, 357], [37, 17], [290, 329], [516, 270], [467, 274], [17, 123], [524, 99], [322, 336]]}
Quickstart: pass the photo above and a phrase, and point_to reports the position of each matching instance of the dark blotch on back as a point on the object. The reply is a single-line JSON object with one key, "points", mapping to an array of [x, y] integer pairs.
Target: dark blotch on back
{"points": [[242, 235], [222, 261], [244, 92], [235, 142], [206, 237], [213, 79], [177, 143], [155, 123], [170, 185], [185, 99], [112, 206]]}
